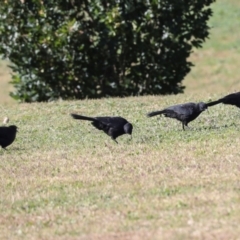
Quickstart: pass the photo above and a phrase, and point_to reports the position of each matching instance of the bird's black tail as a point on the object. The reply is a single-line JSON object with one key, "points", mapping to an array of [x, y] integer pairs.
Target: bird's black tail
{"points": [[151, 114], [80, 117], [214, 102]]}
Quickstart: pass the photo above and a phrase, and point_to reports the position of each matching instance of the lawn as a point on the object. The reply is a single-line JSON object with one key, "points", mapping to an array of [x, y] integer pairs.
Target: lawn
{"points": [[63, 179]]}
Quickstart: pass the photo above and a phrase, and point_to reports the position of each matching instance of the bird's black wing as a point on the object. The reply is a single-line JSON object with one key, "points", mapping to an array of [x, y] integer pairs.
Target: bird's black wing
{"points": [[4, 131], [5, 136], [182, 109], [114, 122], [112, 126]]}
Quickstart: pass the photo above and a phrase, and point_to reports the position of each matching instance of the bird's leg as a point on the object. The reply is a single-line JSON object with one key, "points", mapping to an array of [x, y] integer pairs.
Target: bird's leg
{"points": [[114, 140], [185, 125]]}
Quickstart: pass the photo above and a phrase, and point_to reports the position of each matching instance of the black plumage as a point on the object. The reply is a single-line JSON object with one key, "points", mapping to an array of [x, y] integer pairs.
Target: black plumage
{"points": [[184, 113], [7, 135], [231, 99], [112, 126]]}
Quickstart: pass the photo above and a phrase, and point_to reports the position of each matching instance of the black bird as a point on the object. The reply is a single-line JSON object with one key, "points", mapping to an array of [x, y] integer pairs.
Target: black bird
{"points": [[112, 126], [7, 135], [184, 113], [231, 99]]}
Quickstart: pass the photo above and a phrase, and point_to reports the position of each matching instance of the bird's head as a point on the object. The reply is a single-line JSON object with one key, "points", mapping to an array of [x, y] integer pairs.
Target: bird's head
{"points": [[202, 106], [128, 127]]}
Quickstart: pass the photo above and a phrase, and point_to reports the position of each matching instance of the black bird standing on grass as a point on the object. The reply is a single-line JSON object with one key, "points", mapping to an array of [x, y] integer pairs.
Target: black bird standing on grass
{"points": [[184, 113], [112, 126], [7, 135], [231, 99]]}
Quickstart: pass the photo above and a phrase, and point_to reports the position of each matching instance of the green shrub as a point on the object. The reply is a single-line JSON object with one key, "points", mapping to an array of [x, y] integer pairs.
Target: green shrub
{"points": [[76, 49]]}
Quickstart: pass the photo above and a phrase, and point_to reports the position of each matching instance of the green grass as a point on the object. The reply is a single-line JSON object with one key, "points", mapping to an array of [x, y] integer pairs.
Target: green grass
{"points": [[63, 179]]}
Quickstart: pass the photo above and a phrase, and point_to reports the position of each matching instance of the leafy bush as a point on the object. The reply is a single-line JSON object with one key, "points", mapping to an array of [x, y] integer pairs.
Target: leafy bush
{"points": [[73, 49]]}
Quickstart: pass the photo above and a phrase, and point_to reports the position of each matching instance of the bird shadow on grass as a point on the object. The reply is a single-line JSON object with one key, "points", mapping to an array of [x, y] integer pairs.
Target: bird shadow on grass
{"points": [[215, 127], [146, 139], [11, 149]]}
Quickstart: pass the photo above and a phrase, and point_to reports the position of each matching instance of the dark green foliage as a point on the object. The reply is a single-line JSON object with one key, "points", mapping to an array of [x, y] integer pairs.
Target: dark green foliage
{"points": [[90, 48]]}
